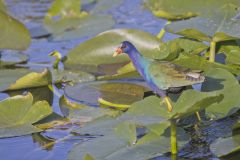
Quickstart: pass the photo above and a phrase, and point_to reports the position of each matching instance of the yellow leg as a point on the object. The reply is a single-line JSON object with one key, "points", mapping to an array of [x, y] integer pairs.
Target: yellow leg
{"points": [[168, 103]]}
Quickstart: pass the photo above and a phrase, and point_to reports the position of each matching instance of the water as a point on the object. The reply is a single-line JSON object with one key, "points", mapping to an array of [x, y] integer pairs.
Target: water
{"points": [[128, 14]]}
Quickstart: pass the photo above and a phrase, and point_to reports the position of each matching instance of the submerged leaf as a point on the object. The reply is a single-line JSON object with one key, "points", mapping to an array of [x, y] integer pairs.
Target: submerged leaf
{"points": [[8, 59], [75, 27], [115, 92], [18, 113], [13, 34], [226, 146]]}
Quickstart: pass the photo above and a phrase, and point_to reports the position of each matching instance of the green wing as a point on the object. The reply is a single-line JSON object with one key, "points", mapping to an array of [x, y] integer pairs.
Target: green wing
{"points": [[167, 75]]}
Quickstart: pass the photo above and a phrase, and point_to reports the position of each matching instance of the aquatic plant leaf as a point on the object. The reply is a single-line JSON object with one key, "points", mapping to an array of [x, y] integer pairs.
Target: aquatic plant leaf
{"points": [[65, 8], [226, 146], [2, 6], [13, 34], [88, 157], [83, 113], [115, 92], [127, 131], [192, 101], [182, 9], [18, 113], [218, 27], [200, 63], [72, 76], [119, 149], [127, 71], [9, 59], [231, 49], [21, 78], [74, 27], [99, 50], [222, 82]]}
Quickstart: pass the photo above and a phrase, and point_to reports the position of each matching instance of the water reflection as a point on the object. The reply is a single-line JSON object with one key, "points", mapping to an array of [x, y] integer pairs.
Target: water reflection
{"points": [[44, 142]]}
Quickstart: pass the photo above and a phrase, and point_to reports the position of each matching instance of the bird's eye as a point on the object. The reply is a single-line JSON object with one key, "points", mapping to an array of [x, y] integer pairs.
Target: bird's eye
{"points": [[123, 46]]}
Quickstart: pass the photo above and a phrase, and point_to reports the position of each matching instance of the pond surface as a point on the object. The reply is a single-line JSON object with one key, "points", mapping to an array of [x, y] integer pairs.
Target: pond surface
{"points": [[128, 14]]}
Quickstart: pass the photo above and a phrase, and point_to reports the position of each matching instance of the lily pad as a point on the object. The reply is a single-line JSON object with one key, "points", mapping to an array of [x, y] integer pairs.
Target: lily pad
{"points": [[127, 71], [71, 76], [218, 27], [21, 78], [2, 6], [200, 63], [65, 8], [75, 111], [8, 59], [99, 50], [115, 92], [19, 113], [182, 9], [226, 146], [231, 49], [13, 34], [119, 149], [75, 27], [223, 82]]}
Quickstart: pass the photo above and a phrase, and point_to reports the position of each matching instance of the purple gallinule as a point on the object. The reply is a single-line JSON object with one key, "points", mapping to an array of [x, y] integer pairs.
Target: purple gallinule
{"points": [[160, 75]]}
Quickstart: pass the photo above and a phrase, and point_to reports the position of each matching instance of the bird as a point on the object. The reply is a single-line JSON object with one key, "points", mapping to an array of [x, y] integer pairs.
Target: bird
{"points": [[160, 76]]}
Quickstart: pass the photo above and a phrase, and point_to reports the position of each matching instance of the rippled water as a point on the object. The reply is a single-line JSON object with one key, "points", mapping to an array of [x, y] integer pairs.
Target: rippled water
{"points": [[129, 14]]}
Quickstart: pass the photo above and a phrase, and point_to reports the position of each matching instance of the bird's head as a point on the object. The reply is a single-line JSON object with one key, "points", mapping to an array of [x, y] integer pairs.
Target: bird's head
{"points": [[125, 47]]}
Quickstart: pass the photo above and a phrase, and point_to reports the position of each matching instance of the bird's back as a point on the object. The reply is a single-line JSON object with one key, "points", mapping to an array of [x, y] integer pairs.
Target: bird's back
{"points": [[166, 75]]}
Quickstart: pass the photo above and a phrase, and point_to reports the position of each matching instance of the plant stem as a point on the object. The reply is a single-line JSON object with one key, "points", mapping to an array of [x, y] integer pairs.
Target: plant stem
{"points": [[114, 105], [162, 32], [173, 137], [212, 51], [198, 116]]}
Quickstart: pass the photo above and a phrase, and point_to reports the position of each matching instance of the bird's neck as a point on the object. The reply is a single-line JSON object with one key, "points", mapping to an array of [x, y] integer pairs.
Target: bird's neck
{"points": [[138, 60]]}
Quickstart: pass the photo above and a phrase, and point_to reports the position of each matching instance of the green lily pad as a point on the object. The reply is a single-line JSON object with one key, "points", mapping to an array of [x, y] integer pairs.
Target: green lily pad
{"points": [[19, 113], [223, 82], [65, 8], [200, 63], [115, 92], [145, 148], [231, 49], [182, 9], [226, 146], [13, 34], [88, 157], [8, 59], [21, 78], [188, 103], [83, 113], [75, 27], [71, 76], [127, 71], [104, 5], [2, 6], [218, 27], [127, 130], [99, 50]]}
